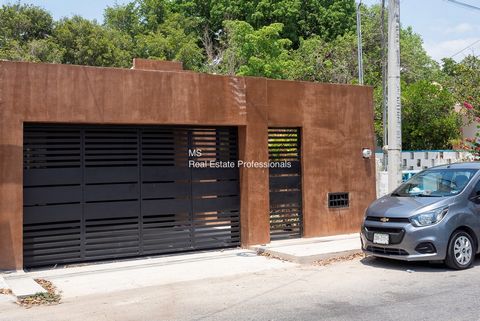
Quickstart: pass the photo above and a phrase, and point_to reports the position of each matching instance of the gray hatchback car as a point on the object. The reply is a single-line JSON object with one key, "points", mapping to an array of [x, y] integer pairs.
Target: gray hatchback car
{"points": [[434, 216]]}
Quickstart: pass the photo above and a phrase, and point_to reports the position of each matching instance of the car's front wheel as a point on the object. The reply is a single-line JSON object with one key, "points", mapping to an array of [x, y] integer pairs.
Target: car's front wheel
{"points": [[461, 251]]}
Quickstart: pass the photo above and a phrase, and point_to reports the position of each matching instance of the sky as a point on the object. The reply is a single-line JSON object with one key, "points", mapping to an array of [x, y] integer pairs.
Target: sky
{"points": [[446, 28]]}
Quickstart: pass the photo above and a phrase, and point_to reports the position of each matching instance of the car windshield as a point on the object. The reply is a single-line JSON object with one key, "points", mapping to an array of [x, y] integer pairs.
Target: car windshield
{"points": [[435, 183]]}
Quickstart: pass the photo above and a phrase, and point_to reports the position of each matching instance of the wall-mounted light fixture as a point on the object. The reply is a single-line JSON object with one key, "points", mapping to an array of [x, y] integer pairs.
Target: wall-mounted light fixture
{"points": [[366, 153]]}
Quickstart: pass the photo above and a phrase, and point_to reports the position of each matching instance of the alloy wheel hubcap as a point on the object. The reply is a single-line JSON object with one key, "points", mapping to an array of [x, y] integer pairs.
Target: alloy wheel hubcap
{"points": [[462, 250]]}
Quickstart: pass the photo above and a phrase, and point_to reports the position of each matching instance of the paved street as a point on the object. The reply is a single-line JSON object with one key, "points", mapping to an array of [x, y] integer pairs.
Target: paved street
{"points": [[366, 289]]}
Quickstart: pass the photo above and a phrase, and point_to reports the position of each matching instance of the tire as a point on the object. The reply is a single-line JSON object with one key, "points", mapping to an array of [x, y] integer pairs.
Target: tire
{"points": [[461, 251]]}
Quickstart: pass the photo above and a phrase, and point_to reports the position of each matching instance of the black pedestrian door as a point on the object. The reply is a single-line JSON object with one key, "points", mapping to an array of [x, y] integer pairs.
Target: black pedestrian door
{"points": [[285, 183], [107, 192]]}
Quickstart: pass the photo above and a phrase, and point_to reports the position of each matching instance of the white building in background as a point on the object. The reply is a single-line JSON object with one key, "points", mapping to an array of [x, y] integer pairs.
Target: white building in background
{"points": [[422, 159], [469, 128]]}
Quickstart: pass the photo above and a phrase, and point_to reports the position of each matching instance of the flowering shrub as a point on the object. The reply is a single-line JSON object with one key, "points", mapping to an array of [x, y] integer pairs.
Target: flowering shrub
{"points": [[472, 145], [467, 105]]}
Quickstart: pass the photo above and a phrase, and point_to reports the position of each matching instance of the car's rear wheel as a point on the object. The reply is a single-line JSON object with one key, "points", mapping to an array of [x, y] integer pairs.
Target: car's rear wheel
{"points": [[461, 251]]}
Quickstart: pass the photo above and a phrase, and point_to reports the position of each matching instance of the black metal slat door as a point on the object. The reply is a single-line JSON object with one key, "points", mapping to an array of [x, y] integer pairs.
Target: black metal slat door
{"points": [[215, 191], [166, 196], [106, 192], [284, 147], [111, 212], [52, 195]]}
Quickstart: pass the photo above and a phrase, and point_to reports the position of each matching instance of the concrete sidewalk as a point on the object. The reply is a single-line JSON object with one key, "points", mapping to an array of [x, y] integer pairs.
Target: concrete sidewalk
{"points": [[99, 278], [308, 250], [103, 278]]}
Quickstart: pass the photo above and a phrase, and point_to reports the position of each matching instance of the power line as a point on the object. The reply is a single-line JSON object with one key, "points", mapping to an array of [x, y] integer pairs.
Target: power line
{"points": [[463, 4], [469, 6], [469, 46]]}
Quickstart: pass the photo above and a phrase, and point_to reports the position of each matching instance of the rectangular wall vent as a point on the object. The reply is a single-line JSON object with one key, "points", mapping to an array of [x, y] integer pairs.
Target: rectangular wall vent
{"points": [[338, 200]]}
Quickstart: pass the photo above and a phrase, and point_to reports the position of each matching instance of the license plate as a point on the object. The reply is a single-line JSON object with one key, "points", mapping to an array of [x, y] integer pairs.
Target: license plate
{"points": [[380, 238]]}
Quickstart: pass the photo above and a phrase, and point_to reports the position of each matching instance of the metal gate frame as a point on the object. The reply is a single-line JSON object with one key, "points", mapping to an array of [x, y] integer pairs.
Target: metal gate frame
{"points": [[95, 192]]}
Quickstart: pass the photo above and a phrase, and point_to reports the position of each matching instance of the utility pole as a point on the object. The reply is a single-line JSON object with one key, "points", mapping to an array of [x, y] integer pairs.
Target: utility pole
{"points": [[384, 86], [394, 103], [359, 44]]}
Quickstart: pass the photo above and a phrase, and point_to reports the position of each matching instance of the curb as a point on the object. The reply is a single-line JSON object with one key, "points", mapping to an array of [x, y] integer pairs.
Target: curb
{"points": [[305, 259], [3, 284], [24, 287]]}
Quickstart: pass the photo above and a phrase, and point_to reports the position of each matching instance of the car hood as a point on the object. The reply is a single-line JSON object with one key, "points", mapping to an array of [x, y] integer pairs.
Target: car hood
{"points": [[390, 206]]}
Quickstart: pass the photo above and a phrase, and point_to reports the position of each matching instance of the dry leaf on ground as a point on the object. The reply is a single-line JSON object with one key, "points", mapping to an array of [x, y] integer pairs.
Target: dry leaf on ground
{"points": [[51, 297], [332, 260], [5, 291]]}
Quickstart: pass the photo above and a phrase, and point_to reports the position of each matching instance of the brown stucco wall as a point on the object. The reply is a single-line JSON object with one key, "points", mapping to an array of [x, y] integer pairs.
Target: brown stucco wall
{"points": [[336, 122], [148, 64]]}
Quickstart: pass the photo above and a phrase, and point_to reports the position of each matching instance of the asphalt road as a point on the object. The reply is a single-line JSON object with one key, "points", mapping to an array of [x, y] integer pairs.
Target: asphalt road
{"points": [[367, 289]]}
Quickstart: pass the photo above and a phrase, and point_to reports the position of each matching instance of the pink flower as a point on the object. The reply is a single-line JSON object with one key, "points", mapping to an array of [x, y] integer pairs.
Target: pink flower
{"points": [[467, 105]]}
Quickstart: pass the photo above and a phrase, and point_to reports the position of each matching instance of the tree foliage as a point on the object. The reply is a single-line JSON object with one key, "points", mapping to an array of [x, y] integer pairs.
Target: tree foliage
{"points": [[26, 34], [125, 18], [428, 115], [24, 23], [156, 32], [311, 40], [87, 43], [171, 40], [322, 61], [253, 52], [300, 18], [463, 79]]}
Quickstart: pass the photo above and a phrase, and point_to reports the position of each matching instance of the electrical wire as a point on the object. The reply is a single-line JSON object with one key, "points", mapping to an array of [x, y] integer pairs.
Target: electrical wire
{"points": [[469, 46], [463, 4], [469, 6]]}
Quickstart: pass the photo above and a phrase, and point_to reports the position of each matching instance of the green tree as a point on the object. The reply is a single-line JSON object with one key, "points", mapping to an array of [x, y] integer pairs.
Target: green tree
{"points": [[310, 40], [153, 12], [253, 52], [300, 18], [138, 16], [26, 32], [171, 41], [463, 80], [156, 32], [87, 43], [125, 18], [429, 120], [23, 22], [336, 60], [41, 50], [415, 63], [318, 60]]}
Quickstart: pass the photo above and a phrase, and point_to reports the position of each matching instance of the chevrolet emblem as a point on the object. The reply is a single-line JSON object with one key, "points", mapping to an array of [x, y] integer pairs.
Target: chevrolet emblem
{"points": [[384, 219]]}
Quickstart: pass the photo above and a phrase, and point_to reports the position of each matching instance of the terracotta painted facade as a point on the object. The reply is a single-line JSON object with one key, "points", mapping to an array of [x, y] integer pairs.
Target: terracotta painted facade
{"points": [[336, 123]]}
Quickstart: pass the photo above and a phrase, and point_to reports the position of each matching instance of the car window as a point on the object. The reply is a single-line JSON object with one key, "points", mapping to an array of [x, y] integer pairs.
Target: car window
{"points": [[436, 183]]}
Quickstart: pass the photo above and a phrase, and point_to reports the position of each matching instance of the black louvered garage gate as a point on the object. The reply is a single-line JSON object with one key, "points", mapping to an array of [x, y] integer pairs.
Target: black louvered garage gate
{"points": [[284, 146], [106, 192]]}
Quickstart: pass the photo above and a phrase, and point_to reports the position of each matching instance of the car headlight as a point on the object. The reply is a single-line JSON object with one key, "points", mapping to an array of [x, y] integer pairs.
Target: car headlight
{"points": [[429, 218]]}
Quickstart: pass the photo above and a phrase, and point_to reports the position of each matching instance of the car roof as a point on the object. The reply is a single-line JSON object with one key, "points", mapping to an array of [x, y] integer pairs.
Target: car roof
{"points": [[465, 165]]}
